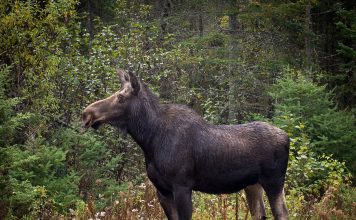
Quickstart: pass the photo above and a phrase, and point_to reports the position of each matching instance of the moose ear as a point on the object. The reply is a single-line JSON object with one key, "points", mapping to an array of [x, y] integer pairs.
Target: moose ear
{"points": [[129, 78], [124, 77], [134, 83]]}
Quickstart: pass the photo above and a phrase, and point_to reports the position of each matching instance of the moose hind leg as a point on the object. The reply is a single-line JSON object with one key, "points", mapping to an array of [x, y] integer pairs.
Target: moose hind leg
{"points": [[275, 194], [167, 202], [254, 196]]}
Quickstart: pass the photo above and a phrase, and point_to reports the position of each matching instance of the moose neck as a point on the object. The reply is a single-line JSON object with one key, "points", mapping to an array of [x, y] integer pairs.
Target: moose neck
{"points": [[143, 123]]}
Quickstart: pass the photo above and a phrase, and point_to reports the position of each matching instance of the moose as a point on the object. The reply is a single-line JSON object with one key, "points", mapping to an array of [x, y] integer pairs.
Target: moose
{"points": [[183, 152]]}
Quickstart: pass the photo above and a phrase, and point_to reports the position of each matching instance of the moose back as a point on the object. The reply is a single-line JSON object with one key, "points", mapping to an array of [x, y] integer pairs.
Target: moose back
{"points": [[183, 152]]}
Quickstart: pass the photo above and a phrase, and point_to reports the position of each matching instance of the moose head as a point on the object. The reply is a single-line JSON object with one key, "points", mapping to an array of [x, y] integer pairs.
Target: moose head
{"points": [[113, 108]]}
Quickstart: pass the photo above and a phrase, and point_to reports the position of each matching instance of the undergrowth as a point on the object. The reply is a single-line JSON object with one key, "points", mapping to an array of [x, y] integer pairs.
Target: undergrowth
{"points": [[140, 202]]}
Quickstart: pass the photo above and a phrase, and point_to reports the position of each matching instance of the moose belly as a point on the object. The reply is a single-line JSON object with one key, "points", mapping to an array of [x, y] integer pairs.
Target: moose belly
{"points": [[225, 182]]}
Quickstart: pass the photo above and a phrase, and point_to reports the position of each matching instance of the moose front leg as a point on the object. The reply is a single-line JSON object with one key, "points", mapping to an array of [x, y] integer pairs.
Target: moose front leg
{"points": [[183, 200], [167, 202]]}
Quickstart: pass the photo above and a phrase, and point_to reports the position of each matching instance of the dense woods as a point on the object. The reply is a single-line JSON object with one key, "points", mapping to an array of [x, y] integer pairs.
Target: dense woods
{"points": [[290, 63]]}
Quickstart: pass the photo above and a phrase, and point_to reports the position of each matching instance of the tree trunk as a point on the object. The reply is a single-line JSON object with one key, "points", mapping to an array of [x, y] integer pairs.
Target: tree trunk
{"points": [[307, 41], [200, 25], [90, 25], [165, 12], [232, 67]]}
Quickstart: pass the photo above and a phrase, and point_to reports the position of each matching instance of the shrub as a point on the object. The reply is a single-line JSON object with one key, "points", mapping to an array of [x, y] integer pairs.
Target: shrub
{"points": [[309, 174], [10, 124], [331, 131]]}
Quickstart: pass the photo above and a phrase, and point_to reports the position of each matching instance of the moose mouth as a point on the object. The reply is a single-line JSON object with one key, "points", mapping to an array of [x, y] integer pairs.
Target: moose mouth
{"points": [[96, 125], [91, 122]]}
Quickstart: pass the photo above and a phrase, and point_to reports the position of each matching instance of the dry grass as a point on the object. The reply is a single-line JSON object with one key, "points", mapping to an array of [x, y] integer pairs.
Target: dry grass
{"points": [[224, 207], [332, 206], [140, 202]]}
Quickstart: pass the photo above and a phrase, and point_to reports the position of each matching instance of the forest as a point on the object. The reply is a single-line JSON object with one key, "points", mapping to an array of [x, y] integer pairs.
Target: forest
{"points": [[290, 63]]}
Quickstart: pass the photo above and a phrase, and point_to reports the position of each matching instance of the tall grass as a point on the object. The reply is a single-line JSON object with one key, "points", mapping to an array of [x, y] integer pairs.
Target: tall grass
{"points": [[140, 202]]}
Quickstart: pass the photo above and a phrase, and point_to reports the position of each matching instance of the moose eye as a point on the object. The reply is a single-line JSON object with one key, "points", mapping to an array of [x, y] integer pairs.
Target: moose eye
{"points": [[120, 98]]}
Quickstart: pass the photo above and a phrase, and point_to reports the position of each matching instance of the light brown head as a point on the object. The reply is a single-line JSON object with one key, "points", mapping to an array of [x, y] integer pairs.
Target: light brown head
{"points": [[112, 108]]}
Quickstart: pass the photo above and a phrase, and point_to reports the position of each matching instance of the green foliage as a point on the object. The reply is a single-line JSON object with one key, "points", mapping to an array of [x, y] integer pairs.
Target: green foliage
{"points": [[10, 126], [41, 177], [316, 129], [331, 131], [95, 162], [11, 122], [37, 32], [309, 174], [37, 178], [51, 179], [58, 56], [343, 82]]}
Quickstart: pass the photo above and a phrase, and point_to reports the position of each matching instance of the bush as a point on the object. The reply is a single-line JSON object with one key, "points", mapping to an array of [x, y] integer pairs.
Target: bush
{"points": [[331, 131], [42, 177], [309, 174], [10, 125]]}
